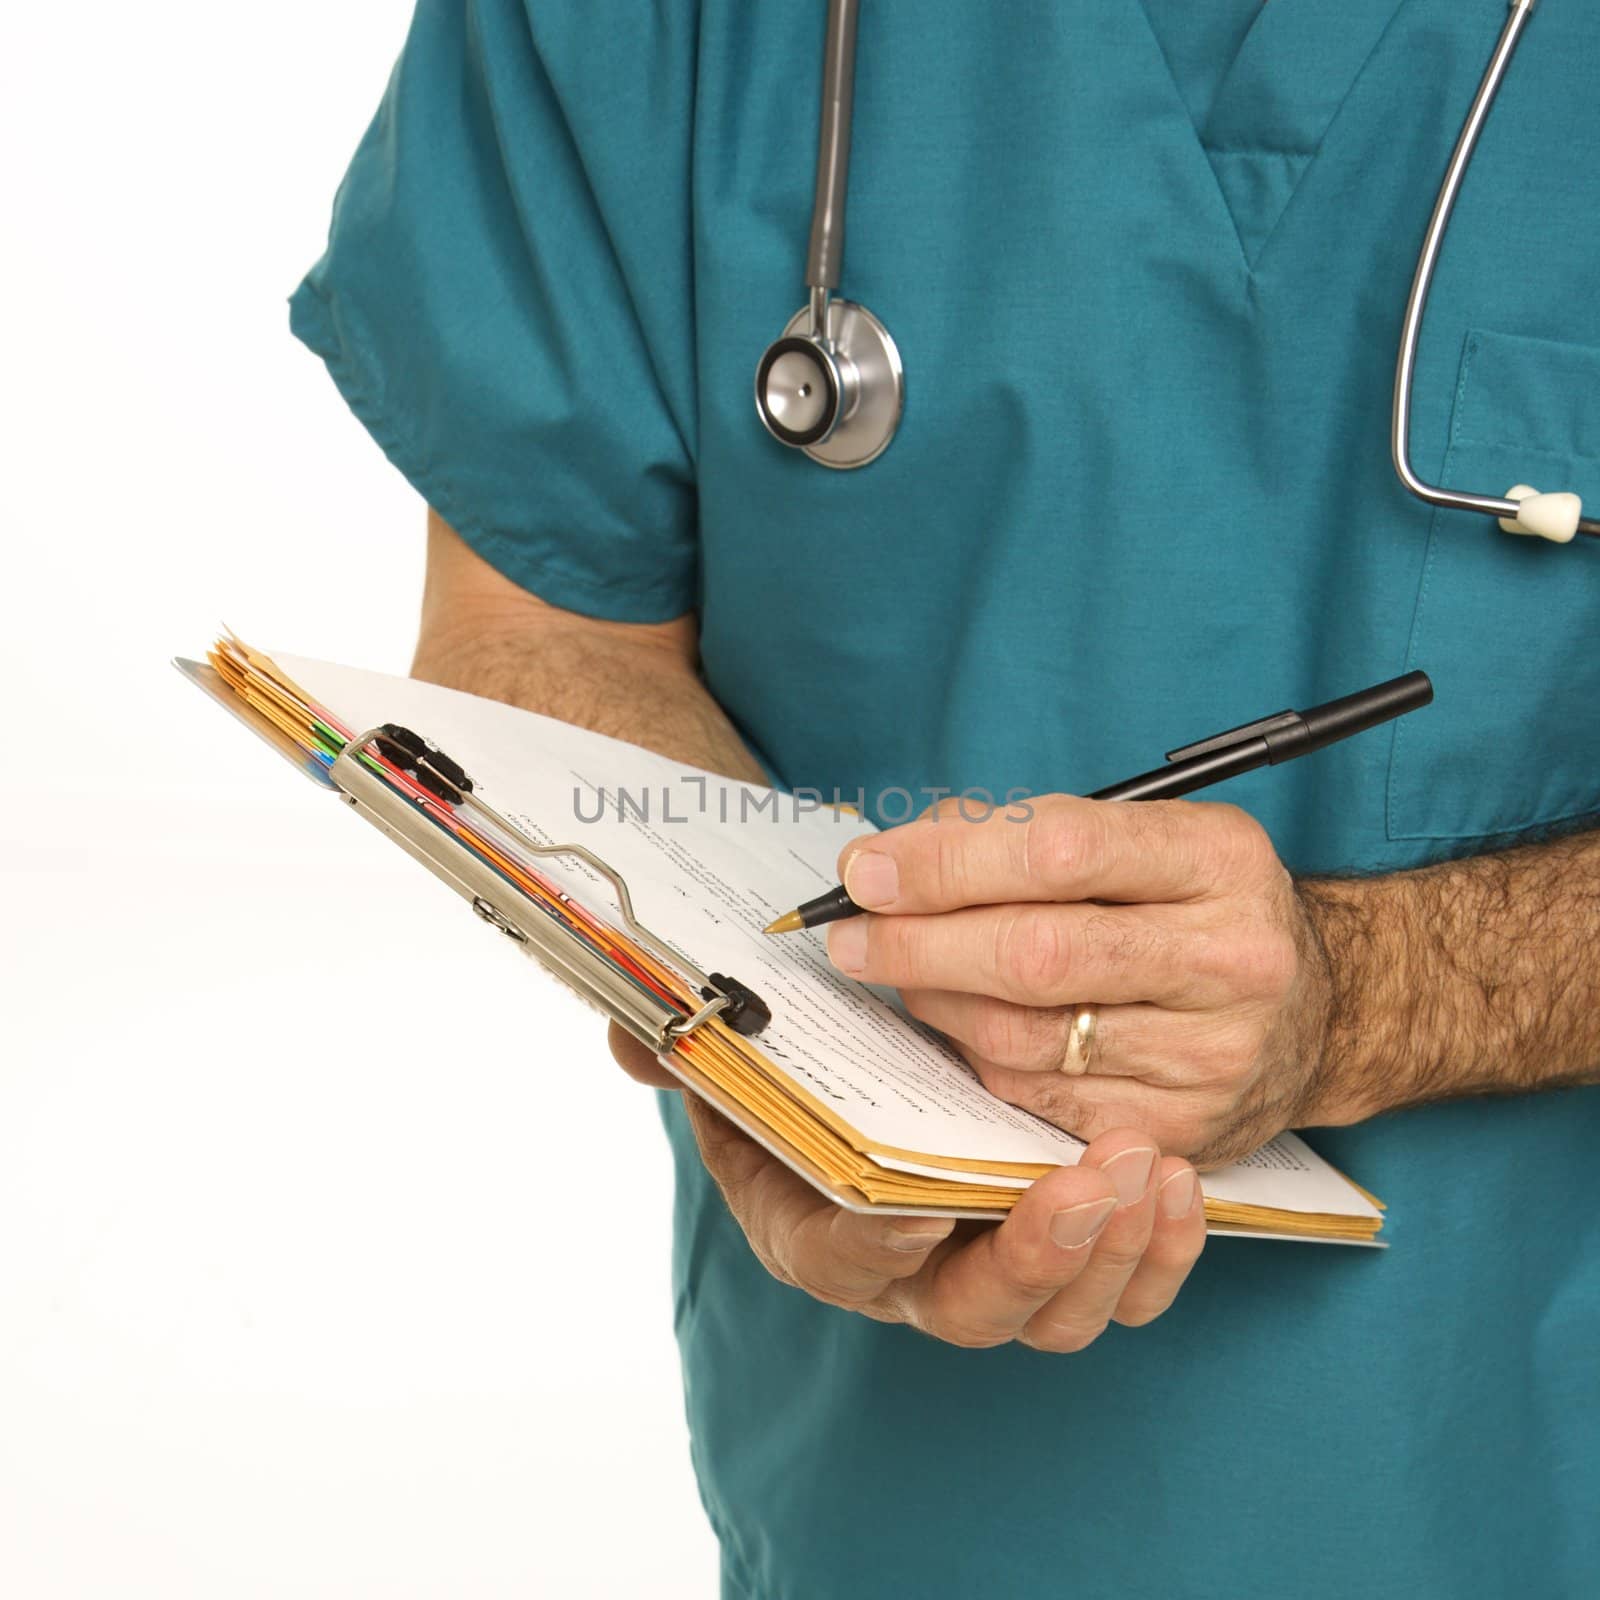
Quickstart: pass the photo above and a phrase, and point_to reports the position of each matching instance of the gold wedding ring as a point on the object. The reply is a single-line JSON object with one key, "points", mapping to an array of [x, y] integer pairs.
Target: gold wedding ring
{"points": [[1080, 1041]]}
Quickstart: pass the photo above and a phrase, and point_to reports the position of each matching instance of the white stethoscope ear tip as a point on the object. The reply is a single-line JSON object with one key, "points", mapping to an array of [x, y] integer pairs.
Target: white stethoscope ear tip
{"points": [[1546, 516]]}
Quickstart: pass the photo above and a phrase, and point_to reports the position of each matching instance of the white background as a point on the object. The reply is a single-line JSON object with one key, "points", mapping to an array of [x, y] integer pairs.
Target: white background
{"points": [[333, 1250]]}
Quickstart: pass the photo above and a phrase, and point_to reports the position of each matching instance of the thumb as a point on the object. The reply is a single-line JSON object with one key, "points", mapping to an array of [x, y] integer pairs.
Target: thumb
{"points": [[639, 1061]]}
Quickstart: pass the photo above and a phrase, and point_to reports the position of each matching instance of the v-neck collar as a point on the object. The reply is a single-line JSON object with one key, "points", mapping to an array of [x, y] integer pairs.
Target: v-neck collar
{"points": [[1276, 101]]}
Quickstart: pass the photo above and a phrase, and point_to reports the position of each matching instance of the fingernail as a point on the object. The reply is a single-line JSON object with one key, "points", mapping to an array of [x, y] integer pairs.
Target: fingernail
{"points": [[923, 1239], [847, 944], [1073, 1228], [1130, 1172], [1177, 1194], [872, 878]]}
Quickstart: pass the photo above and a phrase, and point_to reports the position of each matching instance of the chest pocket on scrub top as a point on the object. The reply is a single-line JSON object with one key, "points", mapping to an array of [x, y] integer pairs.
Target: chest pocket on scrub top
{"points": [[1507, 626]]}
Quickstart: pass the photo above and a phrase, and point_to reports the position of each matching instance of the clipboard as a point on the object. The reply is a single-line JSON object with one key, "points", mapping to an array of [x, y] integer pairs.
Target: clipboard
{"points": [[501, 904], [689, 1020]]}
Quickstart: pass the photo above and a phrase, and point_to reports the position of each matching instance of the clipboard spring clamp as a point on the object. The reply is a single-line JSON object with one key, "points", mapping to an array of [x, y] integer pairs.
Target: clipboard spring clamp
{"points": [[739, 1007], [681, 1027], [432, 769]]}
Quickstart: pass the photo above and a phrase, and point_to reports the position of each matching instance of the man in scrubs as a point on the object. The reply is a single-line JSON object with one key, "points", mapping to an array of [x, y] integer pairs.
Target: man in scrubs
{"points": [[1145, 262]]}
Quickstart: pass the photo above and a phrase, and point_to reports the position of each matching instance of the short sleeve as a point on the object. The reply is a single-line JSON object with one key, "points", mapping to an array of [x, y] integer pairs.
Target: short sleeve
{"points": [[506, 297]]}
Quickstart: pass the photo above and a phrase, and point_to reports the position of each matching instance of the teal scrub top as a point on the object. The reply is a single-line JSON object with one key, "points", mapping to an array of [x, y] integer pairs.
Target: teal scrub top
{"points": [[1145, 263]]}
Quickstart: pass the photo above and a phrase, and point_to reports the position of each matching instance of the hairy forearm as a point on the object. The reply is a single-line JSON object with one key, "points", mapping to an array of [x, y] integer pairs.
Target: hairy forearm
{"points": [[636, 681], [1474, 977], [595, 677]]}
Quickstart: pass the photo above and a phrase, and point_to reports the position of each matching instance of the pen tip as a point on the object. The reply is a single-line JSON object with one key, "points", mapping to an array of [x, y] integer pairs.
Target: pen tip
{"points": [[789, 922]]}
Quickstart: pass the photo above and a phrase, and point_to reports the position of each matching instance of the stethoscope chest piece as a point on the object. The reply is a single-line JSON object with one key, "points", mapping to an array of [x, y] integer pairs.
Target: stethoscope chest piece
{"points": [[837, 398]]}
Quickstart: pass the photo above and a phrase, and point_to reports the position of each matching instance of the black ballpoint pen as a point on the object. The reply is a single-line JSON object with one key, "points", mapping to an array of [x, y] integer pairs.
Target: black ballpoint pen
{"points": [[1262, 743]]}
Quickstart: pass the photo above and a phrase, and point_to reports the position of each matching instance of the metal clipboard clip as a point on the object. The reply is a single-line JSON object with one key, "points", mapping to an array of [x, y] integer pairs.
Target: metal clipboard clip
{"points": [[505, 907]]}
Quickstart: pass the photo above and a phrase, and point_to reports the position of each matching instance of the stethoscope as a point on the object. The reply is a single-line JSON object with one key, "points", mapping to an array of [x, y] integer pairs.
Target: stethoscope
{"points": [[833, 387]]}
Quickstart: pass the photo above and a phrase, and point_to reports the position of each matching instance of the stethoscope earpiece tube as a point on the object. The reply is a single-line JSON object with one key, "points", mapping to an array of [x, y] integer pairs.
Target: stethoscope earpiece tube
{"points": [[1556, 517], [825, 253]]}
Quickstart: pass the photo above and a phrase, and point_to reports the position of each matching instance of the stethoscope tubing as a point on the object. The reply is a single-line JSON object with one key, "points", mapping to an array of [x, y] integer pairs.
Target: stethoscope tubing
{"points": [[1422, 281], [825, 251]]}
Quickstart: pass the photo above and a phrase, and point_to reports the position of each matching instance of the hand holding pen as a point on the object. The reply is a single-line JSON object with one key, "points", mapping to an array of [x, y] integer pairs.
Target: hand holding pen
{"points": [[1106, 966]]}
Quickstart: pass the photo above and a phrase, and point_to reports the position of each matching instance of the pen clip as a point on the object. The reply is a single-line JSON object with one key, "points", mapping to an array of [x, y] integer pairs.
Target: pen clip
{"points": [[1262, 728]]}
